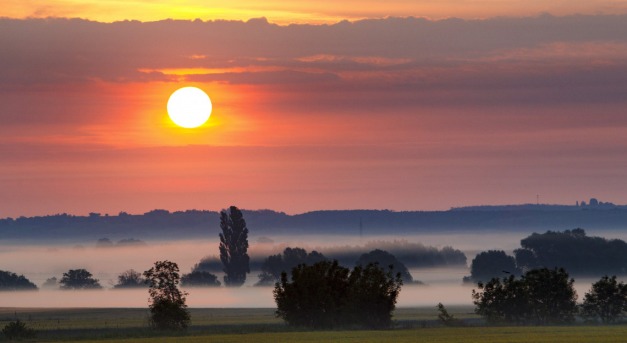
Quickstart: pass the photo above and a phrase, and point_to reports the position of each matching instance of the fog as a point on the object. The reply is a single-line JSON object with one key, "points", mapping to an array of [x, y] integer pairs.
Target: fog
{"points": [[221, 297], [38, 263]]}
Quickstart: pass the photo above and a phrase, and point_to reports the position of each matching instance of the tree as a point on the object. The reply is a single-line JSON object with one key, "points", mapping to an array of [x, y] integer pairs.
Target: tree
{"points": [[209, 264], [526, 259], [12, 282], [234, 247], [607, 300], [51, 283], [576, 252], [274, 265], [327, 295], [541, 296], [79, 279], [446, 318], [503, 301], [200, 279], [130, 279], [168, 310], [552, 295], [489, 264], [418, 255], [315, 297], [384, 258], [372, 295]]}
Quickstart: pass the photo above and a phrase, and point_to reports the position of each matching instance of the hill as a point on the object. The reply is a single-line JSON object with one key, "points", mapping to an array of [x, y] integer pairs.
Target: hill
{"points": [[162, 224]]}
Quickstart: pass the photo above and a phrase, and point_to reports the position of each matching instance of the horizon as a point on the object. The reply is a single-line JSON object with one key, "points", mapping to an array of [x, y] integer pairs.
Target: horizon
{"points": [[170, 211], [355, 105]]}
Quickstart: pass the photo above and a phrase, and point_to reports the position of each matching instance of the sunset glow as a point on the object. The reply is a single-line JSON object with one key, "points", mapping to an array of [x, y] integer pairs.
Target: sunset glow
{"points": [[403, 105], [307, 11]]}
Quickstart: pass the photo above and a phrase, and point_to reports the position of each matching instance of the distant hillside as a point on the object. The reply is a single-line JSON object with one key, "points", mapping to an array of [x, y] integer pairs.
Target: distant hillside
{"points": [[161, 224], [592, 204]]}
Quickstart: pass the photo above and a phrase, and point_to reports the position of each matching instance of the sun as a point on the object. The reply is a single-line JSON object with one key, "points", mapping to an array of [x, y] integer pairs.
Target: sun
{"points": [[189, 107]]}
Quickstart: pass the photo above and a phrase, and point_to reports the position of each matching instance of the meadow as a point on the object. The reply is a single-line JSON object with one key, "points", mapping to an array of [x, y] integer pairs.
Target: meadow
{"points": [[260, 325]]}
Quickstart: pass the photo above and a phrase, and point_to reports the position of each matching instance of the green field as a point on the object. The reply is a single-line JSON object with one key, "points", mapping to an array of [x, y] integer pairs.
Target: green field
{"points": [[474, 334], [260, 325]]}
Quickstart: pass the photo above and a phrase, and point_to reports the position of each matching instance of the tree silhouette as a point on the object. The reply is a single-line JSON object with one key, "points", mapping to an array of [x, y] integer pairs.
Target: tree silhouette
{"points": [[79, 279], [542, 296], [576, 252], [607, 300], [234, 247], [51, 283], [384, 258], [372, 295], [446, 318], [200, 279], [489, 264], [274, 265], [552, 294], [130, 279], [167, 303], [18, 331], [12, 282], [326, 295], [315, 297]]}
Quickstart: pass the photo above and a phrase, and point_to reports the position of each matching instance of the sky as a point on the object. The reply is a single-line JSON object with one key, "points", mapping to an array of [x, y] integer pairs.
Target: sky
{"points": [[415, 105]]}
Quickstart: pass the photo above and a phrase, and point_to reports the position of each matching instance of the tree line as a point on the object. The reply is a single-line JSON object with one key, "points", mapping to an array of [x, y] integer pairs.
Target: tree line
{"points": [[546, 296], [573, 250], [409, 255]]}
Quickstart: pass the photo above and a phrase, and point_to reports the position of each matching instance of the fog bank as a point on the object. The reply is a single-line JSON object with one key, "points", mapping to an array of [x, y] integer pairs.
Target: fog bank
{"points": [[244, 297]]}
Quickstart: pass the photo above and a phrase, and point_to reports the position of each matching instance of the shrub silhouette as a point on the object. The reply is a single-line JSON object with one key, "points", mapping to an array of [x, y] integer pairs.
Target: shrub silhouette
{"points": [[327, 295], [18, 330]]}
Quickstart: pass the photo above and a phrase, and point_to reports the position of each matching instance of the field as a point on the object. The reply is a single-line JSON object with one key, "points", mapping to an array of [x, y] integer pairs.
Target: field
{"points": [[260, 325]]}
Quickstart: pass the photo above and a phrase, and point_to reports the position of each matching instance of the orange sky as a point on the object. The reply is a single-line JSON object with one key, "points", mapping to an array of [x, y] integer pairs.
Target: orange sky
{"points": [[398, 113], [306, 11]]}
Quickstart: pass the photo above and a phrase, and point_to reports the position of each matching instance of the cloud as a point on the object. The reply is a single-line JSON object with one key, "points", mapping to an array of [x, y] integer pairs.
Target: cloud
{"points": [[79, 49], [502, 60]]}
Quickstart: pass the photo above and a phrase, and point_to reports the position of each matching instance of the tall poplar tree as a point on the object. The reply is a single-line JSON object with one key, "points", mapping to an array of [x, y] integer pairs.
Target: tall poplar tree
{"points": [[234, 247]]}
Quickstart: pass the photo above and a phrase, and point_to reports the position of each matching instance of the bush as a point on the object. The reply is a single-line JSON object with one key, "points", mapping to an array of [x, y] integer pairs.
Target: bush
{"points": [[18, 330], [326, 295], [541, 296], [372, 295]]}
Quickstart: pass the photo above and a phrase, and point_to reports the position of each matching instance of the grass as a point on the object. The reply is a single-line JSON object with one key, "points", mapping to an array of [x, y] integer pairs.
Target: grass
{"points": [[475, 334], [260, 325]]}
